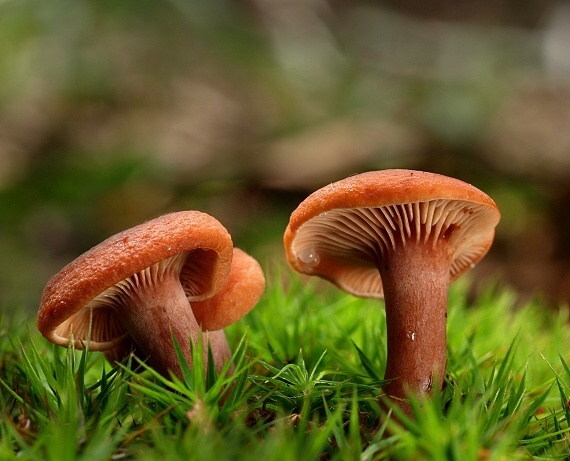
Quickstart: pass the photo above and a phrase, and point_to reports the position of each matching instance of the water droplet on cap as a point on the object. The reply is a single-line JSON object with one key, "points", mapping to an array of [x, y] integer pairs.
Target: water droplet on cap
{"points": [[309, 259]]}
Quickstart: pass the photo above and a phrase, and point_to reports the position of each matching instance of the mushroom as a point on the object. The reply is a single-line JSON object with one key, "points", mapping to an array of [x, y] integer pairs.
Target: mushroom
{"points": [[403, 235], [140, 288]]}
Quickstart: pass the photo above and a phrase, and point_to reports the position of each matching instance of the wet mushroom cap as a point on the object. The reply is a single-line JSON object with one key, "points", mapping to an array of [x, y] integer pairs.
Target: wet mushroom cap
{"points": [[341, 231], [88, 290]]}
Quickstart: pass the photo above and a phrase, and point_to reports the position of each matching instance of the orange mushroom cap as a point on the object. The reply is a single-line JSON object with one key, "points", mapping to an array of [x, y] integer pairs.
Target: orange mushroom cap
{"points": [[85, 289], [340, 231], [241, 291]]}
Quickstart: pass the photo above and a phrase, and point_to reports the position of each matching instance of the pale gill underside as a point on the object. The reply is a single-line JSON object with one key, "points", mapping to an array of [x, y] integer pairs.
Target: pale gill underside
{"points": [[100, 321], [358, 239]]}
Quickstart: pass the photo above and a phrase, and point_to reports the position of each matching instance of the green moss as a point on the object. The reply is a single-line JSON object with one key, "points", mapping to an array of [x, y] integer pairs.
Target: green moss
{"points": [[308, 365]]}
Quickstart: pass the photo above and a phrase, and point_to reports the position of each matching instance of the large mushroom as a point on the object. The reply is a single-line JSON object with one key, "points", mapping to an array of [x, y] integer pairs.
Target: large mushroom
{"points": [[403, 235], [172, 276]]}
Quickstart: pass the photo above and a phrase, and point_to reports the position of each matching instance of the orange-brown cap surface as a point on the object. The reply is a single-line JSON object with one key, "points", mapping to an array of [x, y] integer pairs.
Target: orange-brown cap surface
{"points": [[65, 306], [341, 231], [243, 288]]}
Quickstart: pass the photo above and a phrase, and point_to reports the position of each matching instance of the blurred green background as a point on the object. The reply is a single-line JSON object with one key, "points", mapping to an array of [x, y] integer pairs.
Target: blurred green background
{"points": [[114, 112]]}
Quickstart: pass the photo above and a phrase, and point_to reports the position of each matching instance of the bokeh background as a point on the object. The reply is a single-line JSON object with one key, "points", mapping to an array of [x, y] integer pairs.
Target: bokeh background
{"points": [[114, 112]]}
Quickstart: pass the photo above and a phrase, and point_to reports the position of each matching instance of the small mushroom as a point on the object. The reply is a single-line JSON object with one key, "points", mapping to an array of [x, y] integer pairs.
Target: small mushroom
{"points": [[138, 288], [403, 235]]}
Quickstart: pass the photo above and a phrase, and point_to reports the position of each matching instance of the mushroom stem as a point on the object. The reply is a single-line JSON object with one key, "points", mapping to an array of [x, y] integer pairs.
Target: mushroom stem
{"points": [[415, 277], [157, 311]]}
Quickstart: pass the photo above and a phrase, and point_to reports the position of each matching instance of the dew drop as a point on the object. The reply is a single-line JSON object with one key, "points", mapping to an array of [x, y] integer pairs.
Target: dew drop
{"points": [[309, 259]]}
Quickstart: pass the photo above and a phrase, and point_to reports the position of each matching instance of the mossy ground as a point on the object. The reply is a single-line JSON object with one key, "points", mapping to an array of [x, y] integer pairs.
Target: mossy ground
{"points": [[309, 362]]}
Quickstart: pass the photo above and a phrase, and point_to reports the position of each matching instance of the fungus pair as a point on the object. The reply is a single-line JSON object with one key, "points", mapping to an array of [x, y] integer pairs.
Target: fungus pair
{"points": [[403, 235], [173, 276], [398, 234]]}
